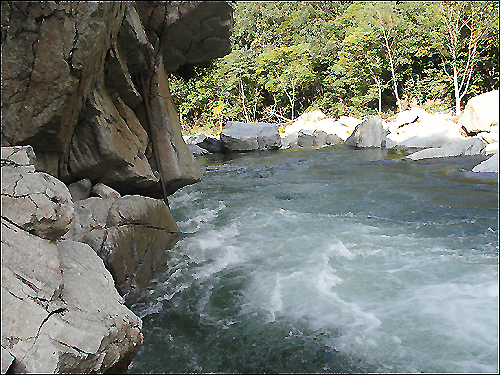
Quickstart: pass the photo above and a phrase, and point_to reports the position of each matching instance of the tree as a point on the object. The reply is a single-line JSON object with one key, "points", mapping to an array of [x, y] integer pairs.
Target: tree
{"points": [[282, 72], [460, 31], [383, 19]]}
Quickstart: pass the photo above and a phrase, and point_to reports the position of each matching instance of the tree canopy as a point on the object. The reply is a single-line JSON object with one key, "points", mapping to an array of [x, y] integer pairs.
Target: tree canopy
{"points": [[345, 58]]}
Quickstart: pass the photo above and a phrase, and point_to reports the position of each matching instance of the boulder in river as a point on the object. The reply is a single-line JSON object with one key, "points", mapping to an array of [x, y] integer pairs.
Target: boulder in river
{"points": [[241, 136], [481, 113], [370, 133], [60, 309], [465, 147], [489, 165], [201, 140]]}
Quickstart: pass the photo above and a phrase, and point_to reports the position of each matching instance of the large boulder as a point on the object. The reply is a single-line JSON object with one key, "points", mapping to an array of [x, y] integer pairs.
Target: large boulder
{"points": [[370, 133], [481, 113], [419, 128], [86, 85], [60, 309], [328, 131], [132, 234], [489, 165], [240, 136], [306, 121], [465, 147], [34, 201], [210, 144]]}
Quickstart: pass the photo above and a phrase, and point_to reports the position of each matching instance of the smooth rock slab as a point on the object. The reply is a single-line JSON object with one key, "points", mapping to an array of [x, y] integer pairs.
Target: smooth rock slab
{"points": [[469, 146], [489, 165]]}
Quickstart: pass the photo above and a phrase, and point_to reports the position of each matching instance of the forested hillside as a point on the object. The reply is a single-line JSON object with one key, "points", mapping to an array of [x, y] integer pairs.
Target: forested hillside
{"points": [[345, 58]]}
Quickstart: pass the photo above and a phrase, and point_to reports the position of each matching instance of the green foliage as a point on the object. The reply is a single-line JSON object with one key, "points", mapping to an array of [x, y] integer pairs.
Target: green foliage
{"points": [[345, 58]]}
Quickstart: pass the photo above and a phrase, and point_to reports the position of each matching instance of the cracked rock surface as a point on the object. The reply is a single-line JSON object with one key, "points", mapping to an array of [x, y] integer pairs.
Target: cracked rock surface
{"points": [[35, 201], [85, 83], [132, 234], [60, 309]]}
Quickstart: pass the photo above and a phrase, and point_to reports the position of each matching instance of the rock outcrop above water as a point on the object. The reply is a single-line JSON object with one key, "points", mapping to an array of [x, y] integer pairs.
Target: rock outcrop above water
{"points": [[132, 234], [465, 147], [481, 113], [61, 311], [85, 84]]}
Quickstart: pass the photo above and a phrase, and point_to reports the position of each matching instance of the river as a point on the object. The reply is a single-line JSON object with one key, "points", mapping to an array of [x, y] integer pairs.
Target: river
{"points": [[328, 260]]}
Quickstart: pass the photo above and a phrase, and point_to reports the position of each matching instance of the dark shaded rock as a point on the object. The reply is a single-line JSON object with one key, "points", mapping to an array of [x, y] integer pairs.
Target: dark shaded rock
{"points": [[370, 133]]}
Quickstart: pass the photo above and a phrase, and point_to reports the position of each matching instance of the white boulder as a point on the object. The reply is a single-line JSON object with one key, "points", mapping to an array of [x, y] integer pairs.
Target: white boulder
{"points": [[36, 201], [349, 121], [481, 112], [469, 146], [489, 165]]}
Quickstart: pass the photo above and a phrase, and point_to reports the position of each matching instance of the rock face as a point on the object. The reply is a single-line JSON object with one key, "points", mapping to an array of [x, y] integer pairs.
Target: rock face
{"points": [[132, 234], [60, 309], [369, 133], [36, 202], [240, 136], [85, 89], [86, 85]]}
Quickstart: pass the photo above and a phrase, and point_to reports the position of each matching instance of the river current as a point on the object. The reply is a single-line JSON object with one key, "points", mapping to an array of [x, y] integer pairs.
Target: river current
{"points": [[328, 260]]}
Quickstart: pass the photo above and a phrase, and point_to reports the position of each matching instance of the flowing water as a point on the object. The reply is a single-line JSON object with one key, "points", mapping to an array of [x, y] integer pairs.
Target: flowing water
{"points": [[329, 260]]}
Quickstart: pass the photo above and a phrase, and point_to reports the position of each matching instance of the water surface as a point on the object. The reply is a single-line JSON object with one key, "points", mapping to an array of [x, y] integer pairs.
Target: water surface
{"points": [[328, 260]]}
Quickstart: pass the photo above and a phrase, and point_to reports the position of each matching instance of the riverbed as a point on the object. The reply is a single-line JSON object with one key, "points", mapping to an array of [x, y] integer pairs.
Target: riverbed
{"points": [[328, 260]]}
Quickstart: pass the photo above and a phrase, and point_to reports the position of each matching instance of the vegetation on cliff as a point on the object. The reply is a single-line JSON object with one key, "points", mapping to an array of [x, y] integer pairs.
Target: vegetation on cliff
{"points": [[347, 58]]}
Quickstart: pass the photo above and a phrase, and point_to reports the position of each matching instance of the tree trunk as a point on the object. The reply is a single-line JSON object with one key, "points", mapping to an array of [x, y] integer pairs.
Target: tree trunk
{"points": [[458, 111]]}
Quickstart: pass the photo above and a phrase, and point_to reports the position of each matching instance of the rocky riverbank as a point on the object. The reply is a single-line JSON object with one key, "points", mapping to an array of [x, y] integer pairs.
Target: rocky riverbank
{"points": [[424, 134], [91, 149]]}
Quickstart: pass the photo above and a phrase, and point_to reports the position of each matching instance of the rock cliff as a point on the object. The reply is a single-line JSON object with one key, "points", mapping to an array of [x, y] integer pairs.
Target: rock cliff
{"points": [[85, 90]]}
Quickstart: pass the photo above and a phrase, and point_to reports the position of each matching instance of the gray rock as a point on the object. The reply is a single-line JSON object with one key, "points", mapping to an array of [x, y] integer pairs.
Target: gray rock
{"points": [[36, 202], [290, 141], [60, 309], [316, 138], [489, 165], [131, 234], [306, 138], [240, 136], [197, 150], [370, 133], [333, 139], [469, 146], [80, 189], [18, 156], [7, 360], [209, 143], [105, 191]]}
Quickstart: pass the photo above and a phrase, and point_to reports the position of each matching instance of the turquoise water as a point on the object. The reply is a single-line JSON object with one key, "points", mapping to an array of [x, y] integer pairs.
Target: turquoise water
{"points": [[329, 260]]}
